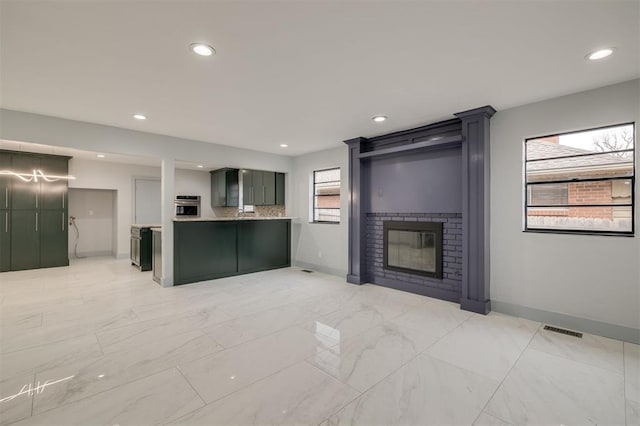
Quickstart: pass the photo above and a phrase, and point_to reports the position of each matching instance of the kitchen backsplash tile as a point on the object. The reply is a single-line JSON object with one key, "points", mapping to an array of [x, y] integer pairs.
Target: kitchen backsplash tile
{"points": [[260, 211]]}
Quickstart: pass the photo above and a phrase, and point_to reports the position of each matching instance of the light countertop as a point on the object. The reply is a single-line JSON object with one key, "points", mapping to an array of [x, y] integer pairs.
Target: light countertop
{"points": [[218, 219]]}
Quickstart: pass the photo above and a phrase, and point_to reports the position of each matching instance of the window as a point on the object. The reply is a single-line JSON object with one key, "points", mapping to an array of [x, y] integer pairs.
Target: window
{"points": [[326, 195], [581, 182]]}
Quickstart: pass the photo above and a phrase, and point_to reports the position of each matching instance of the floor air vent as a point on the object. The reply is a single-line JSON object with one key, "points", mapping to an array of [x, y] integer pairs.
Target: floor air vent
{"points": [[307, 271], [563, 331]]}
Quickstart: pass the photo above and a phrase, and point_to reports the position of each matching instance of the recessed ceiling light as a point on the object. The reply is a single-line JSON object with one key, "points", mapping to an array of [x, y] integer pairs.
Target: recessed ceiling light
{"points": [[600, 54], [379, 118], [199, 166], [202, 49], [283, 145], [139, 117], [100, 155]]}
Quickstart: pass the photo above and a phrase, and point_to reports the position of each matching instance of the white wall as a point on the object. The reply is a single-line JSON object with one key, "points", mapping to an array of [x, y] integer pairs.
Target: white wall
{"points": [[319, 246], [595, 278], [94, 174], [193, 182], [113, 176], [93, 210]]}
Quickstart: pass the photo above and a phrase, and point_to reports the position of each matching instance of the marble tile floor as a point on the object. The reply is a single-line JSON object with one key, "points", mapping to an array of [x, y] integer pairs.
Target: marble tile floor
{"points": [[100, 343]]}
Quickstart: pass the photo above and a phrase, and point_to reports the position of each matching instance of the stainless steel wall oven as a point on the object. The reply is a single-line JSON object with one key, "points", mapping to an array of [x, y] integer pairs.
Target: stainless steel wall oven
{"points": [[187, 206]]}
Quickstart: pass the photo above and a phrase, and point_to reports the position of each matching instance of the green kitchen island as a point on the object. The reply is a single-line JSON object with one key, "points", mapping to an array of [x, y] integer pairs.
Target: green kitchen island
{"points": [[206, 249]]}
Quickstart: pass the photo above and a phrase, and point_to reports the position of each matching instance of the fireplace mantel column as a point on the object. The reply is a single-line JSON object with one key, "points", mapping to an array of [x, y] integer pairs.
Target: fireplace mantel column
{"points": [[475, 209], [357, 269]]}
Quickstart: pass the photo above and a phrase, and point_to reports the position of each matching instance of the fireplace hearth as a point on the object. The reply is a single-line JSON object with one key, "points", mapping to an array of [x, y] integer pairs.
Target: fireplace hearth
{"points": [[413, 247]]}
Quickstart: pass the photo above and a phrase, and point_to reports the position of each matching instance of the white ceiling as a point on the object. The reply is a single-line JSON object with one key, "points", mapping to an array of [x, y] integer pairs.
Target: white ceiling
{"points": [[309, 74]]}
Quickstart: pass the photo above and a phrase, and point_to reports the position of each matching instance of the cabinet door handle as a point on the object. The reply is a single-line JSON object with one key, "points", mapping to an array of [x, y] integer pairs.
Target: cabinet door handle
{"points": [[63, 200], [6, 222], [263, 196], [6, 197], [62, 220], [36, 202], [36, 221]]}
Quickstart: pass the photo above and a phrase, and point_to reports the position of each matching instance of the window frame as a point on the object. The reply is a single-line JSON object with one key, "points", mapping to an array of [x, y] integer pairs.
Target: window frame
{"points": [[313, 197], [631, 178]]}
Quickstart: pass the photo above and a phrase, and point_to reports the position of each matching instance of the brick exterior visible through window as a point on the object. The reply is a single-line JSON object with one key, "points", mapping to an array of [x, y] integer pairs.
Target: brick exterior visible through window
{"points": [[581, 182], [326, 195]]}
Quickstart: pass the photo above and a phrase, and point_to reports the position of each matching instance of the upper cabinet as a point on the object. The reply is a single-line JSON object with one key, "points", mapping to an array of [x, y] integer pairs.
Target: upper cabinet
{"points": [[269, 188], [25, 194], [53, 195], [259, 187], [225, 189], [280, 189], [254, 187]]}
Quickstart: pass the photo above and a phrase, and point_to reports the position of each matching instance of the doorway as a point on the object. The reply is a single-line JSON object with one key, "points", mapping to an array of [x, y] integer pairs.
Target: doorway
{"points": [[147, 202], [92, 222]]}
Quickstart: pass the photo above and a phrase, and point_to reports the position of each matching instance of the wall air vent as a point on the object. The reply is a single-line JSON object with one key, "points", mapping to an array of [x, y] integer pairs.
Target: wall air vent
{"points": [[563, 331]]}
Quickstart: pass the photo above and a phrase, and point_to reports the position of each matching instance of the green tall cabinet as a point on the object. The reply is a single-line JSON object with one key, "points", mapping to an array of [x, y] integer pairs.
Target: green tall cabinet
{"points": [[34, 211], [5, 213]]}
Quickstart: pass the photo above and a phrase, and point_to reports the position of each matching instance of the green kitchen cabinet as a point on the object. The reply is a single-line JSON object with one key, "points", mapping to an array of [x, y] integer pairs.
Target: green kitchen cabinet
{"points": [[280, 189], [5, 181], [54, 239], [248, 188], [34, 211], [263, 244], [268, 188], [5, 240], [24, 195], [25, 239], [53, 195], [258, 187], [224, 188], [206, 250]]}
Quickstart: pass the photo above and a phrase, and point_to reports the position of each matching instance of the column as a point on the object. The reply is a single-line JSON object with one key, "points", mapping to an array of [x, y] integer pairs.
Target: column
{"points": [[168, 198], [357, 266], [475, 209]]}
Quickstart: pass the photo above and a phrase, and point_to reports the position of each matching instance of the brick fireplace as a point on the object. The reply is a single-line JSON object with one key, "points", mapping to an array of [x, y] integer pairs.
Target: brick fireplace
{"points": [[435, 174], [448, 284]]}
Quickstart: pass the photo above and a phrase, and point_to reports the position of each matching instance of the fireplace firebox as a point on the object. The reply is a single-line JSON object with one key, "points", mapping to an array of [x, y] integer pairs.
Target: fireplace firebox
{"points": [[413, 247]]}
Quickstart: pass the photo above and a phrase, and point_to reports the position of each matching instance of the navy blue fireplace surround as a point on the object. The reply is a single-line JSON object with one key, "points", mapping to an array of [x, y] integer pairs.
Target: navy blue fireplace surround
{"points": [[439, 173]]}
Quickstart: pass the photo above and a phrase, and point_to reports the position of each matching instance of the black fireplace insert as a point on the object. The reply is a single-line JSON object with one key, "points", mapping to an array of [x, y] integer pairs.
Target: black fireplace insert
{"points": [[413, 247]]}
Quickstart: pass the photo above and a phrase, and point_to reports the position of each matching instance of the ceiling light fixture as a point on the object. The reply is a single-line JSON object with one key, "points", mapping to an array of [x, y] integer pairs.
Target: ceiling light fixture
{"points": [[600, 54], [100, 155], [199, 166], [379, 118], [202, 49], [284, 145], [139, 117]]}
